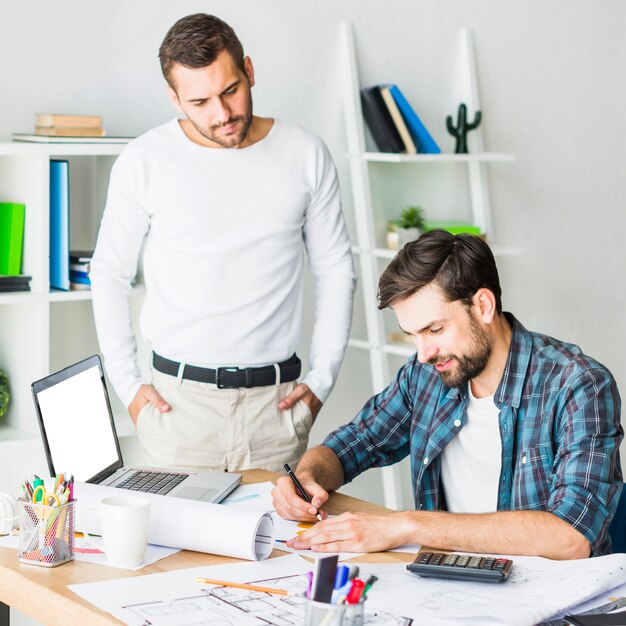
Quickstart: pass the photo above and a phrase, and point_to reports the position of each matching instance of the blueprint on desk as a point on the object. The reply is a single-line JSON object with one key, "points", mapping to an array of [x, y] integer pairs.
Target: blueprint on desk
{"points": [[536, 590]]}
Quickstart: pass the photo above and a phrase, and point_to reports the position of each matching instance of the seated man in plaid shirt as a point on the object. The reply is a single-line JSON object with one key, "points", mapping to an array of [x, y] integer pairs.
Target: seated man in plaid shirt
{"points": [[513, 436]]}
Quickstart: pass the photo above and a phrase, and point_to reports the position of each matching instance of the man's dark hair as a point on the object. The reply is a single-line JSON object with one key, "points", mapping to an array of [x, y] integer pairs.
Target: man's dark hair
{"points": [[195, 41], [459, 265]]}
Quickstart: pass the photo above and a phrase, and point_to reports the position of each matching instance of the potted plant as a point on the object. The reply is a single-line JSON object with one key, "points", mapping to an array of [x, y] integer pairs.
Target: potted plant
{"points": [[4, 393], [410, 225]]}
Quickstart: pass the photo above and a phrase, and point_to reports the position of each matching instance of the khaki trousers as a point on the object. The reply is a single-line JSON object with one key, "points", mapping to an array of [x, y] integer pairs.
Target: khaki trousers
{"points": [[222, 429]]}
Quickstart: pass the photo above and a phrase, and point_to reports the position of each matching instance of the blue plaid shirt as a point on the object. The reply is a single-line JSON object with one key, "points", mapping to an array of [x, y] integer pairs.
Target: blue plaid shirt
{"points": [[559, 424]]}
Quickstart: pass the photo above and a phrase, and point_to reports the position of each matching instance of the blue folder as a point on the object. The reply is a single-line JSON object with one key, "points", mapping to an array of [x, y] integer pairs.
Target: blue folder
{"points": [[59, 225], [424, 143]]}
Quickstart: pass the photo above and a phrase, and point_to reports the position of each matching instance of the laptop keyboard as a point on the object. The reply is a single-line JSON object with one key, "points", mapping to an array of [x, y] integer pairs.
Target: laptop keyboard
{"points": [[152, 482]]}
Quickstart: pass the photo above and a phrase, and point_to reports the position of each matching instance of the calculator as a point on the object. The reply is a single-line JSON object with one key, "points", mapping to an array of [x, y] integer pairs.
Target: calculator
{"points": [[486, 569]]}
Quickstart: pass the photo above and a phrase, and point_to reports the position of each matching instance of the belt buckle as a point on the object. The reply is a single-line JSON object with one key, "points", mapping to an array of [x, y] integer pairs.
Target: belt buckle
{"points": [[218, 373]]}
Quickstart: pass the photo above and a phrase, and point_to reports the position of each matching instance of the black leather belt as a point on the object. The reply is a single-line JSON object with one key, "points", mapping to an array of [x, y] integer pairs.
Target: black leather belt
{"points": [[231, 377]]}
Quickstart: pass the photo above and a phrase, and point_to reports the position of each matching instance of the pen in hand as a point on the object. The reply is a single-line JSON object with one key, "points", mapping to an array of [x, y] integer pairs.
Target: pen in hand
{"points": [[303, 494]]}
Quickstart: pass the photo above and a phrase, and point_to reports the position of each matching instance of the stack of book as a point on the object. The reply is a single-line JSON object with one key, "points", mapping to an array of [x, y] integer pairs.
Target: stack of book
{"points": [[57, 125], [14, 283], [80, 264], [393, 123]]}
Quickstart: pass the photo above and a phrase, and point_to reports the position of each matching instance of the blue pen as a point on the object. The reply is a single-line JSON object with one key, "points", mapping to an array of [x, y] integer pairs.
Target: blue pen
{"points": [[339, 595], [341, 578], [309, 576]]}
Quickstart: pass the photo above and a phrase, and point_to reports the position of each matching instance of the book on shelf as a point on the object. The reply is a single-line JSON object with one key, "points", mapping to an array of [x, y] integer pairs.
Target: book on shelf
{"points": [[452, 226], [76, 286], [398, 120], [59, 225], [79, 277], [69, 131], [12, 217], [34, 138], [71, 121], [424, 142], [14, 283], [80, 256], [80, 267], [379, 120]]}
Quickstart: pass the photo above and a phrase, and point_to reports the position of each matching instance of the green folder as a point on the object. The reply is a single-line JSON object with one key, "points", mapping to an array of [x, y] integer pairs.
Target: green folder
{"points": [[11, 237]]}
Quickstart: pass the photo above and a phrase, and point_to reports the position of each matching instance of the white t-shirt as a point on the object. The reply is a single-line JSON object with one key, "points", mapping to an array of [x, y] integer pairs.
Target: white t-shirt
{"points": [[471, 462], [225, 232]]}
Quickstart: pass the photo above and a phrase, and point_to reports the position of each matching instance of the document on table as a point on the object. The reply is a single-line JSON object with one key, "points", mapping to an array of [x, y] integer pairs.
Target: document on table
{"points": [[537, 590], [176, 597]]}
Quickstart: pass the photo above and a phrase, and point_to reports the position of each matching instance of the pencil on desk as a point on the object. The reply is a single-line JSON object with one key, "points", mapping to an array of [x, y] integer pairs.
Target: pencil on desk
{"points": [[224, 583]]}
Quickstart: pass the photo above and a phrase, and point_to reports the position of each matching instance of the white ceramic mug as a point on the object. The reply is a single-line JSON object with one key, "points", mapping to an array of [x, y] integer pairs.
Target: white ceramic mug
{"points": [[124, 521]]}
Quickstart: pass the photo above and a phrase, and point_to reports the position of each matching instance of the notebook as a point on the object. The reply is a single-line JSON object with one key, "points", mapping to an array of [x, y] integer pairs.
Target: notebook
{"points": [[79, 436]]}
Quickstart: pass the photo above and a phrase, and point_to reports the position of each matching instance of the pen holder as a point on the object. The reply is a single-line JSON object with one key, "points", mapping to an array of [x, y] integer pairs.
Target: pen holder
{"points": [[46, 533], [324, 614]]}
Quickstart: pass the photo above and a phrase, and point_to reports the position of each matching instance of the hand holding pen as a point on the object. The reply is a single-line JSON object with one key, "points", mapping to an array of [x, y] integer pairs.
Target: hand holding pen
{"points": [[300, 489]]}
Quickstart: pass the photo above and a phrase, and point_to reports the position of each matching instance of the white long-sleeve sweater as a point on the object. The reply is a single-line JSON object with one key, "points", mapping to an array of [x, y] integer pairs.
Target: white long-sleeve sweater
{"points": [[225, 232]]}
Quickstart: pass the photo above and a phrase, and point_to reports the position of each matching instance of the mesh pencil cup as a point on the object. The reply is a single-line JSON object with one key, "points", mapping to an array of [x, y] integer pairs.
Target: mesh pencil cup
{"points": [[46, 533], [324, 614]]}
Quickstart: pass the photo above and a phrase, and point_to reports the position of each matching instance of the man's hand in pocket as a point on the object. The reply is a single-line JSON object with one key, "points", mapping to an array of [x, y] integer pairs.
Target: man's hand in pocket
{"points": [[146, 394]]}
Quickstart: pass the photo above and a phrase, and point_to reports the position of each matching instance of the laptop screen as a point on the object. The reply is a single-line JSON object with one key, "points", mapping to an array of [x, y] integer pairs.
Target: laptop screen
{"points": [[76, 421]]}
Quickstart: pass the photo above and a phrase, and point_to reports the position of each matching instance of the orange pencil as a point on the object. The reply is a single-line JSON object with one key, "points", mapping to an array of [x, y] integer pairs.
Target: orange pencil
{"points": [[224, 583]]}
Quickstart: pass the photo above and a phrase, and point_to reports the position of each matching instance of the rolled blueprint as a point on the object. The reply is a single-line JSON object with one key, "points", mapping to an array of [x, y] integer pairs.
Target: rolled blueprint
{"points": [[187, 524]]}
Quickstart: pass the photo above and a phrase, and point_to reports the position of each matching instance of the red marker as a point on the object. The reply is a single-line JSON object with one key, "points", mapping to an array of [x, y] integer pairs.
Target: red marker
{"points": [[354, 595]]}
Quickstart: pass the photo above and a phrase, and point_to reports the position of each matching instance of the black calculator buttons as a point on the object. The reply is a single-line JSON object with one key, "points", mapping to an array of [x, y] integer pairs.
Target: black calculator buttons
{"points": [[461, 566]]}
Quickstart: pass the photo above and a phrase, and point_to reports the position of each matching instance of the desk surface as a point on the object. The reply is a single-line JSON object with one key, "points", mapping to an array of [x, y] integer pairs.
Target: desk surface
{"points": [[42, 593]]}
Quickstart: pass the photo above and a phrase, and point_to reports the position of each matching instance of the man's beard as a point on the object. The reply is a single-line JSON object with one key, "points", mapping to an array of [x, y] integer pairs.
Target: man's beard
{"points": [[472, 363], [233, 140]]}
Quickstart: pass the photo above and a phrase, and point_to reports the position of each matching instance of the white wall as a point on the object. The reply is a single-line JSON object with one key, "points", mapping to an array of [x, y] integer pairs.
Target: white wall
{"points": [[552, 90]]}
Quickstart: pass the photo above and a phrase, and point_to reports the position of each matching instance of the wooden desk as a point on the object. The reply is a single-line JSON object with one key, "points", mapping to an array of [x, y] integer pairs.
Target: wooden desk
{"points": [[42, 593]]}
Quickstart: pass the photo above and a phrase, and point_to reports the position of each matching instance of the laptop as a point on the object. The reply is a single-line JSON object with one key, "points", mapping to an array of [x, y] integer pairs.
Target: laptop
{"points": [[79, 436]]}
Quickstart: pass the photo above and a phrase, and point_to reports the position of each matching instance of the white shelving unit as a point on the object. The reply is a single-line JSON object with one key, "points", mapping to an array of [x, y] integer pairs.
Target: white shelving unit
{"points": [[43, 330], [368, 254]]}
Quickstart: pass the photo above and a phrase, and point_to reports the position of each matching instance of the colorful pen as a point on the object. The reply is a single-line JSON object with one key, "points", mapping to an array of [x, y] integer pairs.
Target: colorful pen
{"points": [[368, 583], [356, 592]]}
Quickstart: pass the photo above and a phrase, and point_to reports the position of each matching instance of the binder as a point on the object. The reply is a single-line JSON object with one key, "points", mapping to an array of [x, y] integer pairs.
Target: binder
{"points": [[59, 225], [11, 237], [422, 138], [379, 120]]}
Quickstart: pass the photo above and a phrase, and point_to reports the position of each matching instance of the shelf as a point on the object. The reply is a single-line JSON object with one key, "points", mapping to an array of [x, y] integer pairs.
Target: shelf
{"points": [[18, 148], [84, 294], [478, 157], [19, 297]]}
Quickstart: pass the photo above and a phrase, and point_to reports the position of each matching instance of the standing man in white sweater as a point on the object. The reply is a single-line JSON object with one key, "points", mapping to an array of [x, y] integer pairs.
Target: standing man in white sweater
{"points": [[225, 203]]}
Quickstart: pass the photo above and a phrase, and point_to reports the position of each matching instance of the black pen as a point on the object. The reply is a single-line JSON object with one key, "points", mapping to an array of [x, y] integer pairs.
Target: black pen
{"points": [[303, 494]]}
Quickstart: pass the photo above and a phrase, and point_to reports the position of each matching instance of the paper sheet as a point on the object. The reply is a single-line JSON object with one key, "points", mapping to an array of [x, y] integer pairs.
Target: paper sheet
{"points": [[175, 597], [153, 553], [188, 524], [258, 497], [286, 529], [537, 589]]}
